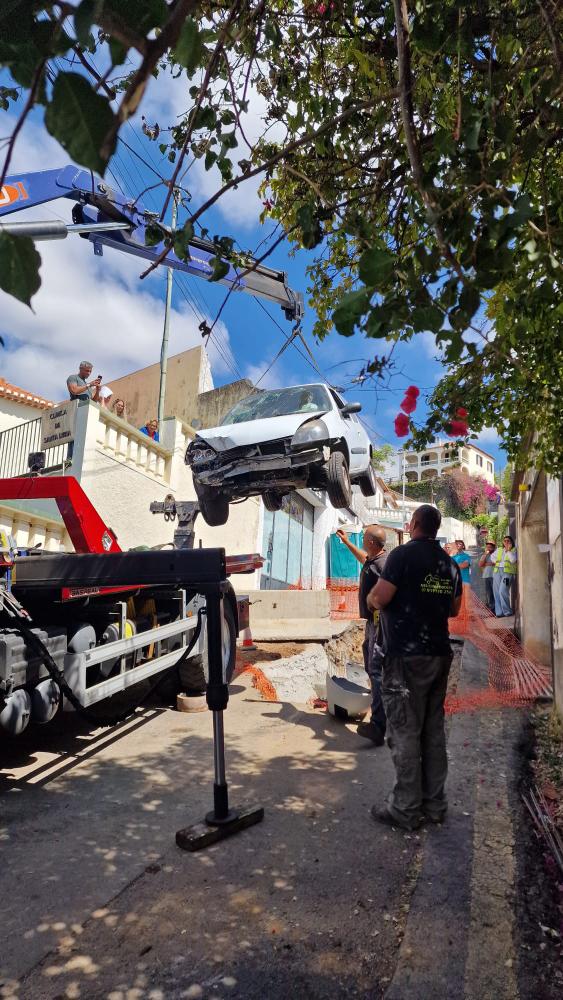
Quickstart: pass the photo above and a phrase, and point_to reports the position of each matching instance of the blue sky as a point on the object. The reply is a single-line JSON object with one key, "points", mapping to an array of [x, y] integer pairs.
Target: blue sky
{"points": [[99, 308]]}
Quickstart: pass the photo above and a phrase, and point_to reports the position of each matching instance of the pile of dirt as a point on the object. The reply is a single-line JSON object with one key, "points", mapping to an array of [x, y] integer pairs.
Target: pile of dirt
{"points": [[346, 648]]}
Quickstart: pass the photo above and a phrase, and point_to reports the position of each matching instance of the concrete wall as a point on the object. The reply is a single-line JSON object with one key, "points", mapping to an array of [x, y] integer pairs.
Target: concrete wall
{"points": [[534, 597], [213, 405], [554, 496], [188, 375], [266, 605], [12, 413]]}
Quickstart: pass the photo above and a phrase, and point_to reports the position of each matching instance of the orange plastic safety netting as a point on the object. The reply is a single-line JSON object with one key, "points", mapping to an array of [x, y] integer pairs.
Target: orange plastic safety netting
{"points": [[514, 676]]}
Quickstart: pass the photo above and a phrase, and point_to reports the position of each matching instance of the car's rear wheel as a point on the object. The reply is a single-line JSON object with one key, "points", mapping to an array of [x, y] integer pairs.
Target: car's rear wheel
{"points": [[368, 483], [213, 505], [339, 487], [272, 501]]}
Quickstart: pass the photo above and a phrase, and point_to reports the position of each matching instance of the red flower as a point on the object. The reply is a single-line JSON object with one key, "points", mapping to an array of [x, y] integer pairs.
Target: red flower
{"points": [[412, 390], [409, 404], [458, 429], [401, 425], [461, 412]]}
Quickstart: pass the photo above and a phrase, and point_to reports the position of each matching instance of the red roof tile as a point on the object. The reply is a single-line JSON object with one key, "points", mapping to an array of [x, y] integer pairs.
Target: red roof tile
{"points": [[17, 395]]}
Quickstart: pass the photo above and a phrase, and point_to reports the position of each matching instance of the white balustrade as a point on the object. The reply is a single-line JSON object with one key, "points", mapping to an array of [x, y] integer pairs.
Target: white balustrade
{"points": [[126, 444]]}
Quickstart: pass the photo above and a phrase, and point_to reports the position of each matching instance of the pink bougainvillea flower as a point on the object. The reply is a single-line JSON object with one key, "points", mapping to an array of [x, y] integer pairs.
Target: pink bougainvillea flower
{"points": [[401, 425], [412, 390], [461, 412], [409, 404]]}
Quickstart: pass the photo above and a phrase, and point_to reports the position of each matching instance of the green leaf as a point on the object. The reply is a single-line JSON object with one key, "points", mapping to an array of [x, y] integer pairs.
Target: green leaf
{"points": [[190, 50], [471, 130], [117, 51], [375, 267], [522, 211], [311, 230], [19, 267], [229, 141], [428, 318], [273, 33], [205, 118], [350, 310], [470, 300], [182, 239], [85, 15], [153, 235], [220, 268], [210, 158], [142, 15], [80, 120]]}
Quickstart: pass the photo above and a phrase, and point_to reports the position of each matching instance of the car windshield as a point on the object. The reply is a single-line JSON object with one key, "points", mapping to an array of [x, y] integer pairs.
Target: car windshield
{"points": [[279, 403]]}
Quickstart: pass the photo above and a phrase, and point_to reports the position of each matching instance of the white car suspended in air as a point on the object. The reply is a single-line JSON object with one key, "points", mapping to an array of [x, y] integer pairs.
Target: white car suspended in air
{"points": [[279, 440]]}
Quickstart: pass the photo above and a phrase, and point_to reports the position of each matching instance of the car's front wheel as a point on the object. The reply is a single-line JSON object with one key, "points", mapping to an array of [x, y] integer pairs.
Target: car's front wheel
{"points": [[213, 505], [367, 482], [272, 501], [339, 487]]}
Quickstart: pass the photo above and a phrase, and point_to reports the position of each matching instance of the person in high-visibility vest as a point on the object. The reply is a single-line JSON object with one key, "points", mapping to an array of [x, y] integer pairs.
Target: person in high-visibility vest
{"points": [[505, 561]]}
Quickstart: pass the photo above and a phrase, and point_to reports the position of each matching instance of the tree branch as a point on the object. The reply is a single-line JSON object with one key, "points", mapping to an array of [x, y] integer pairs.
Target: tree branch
{"points": [[407, 114], [328, 125], [202, 92], [20, 122], [553, 37], [152, 50]]}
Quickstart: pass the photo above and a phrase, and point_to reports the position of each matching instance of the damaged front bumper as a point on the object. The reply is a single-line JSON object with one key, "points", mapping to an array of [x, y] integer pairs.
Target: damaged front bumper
{"points": [[245, 470]]}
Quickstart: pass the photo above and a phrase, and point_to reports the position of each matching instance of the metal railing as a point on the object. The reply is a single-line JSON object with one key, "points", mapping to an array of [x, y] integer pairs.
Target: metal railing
{"points": [[16, 445]]}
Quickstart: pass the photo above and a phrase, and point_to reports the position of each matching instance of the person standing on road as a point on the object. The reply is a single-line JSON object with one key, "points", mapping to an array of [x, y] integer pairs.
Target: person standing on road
{"points": [[419, 589], [487, 564], [461, 556], [505, 563], [372, 556]]}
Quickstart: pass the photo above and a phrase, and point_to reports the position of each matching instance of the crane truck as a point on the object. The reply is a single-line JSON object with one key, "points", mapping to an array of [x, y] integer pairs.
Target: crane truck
{"points": [[79, 629]]}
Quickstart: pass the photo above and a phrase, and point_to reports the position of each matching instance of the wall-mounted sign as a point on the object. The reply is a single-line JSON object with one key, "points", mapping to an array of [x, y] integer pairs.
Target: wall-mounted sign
{"points": [[57, 425]]}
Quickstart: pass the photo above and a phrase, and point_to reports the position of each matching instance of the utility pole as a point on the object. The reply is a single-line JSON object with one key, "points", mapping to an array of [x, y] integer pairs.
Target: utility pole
{"points": [[165, 332]]}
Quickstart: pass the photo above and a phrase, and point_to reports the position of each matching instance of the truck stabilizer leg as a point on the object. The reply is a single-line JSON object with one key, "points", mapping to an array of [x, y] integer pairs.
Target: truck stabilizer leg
{"points": [[221, 822]]}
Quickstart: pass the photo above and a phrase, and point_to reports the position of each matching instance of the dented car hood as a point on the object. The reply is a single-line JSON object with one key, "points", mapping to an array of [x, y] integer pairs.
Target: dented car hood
{"points": [[252, 432]]}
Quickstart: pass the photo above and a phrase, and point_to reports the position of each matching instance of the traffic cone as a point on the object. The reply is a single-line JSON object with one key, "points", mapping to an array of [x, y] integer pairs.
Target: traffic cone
{"points": [[247, 642]]}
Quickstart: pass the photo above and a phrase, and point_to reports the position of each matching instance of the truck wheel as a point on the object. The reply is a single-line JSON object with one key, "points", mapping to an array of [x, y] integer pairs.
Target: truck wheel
{"points": [[272, 501], [367, 483], [339, 487], [194, 674], [213, 505]]}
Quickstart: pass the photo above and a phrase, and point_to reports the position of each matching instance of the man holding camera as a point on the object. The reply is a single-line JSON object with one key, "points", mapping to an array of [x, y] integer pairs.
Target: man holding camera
{"points": [[80, 388]]}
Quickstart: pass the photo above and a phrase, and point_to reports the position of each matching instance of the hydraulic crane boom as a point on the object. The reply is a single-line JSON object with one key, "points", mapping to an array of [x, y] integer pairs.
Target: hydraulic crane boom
{"points": [[105, 216]]}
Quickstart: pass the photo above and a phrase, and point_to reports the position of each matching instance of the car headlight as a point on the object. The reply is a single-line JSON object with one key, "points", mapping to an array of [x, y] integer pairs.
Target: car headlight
{"points": [[199, 454], [313, 432]]}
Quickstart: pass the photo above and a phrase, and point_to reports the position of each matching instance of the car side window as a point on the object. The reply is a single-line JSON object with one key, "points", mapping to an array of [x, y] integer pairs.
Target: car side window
{"points": [[339, 402]]}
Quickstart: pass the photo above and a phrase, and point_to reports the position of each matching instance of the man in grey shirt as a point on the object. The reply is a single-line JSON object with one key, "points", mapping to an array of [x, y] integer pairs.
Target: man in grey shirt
{"points": [[78, 385]]}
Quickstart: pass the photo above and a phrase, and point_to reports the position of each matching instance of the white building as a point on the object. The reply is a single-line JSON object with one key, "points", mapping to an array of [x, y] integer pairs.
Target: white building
{"points": [[420, 466]]}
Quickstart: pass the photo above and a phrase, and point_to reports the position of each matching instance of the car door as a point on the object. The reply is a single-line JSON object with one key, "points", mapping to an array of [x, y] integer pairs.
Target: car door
{"points": [[356, 438]]}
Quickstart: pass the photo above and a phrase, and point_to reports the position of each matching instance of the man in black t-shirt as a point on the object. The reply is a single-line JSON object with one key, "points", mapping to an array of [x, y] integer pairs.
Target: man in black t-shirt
{"points": [[420, 588], [372, 556]]}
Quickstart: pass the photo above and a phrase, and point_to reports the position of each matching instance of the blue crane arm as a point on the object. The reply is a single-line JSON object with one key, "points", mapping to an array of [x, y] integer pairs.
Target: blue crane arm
{"points": [[97, 203]]}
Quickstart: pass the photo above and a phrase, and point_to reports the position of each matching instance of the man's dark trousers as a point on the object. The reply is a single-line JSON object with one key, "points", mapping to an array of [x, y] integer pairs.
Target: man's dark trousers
{"points": [[489, 593], [414, 691], [373, 663]]}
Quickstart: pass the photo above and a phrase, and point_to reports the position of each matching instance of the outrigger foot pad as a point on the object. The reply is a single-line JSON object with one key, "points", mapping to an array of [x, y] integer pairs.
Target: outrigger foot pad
{"points": [[211, 831]]}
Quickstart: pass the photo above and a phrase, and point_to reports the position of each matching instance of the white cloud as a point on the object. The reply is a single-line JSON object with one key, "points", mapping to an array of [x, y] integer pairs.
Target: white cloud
{"points": [[89, 306], [489, 435]]}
